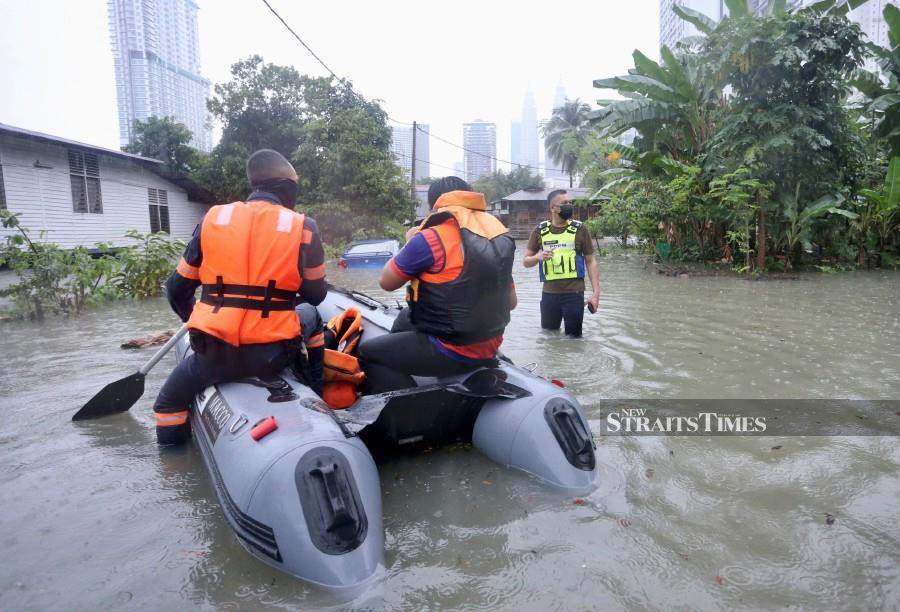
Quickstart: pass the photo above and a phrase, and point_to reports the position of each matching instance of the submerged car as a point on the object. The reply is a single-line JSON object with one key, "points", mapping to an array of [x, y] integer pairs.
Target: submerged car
{"points": [[369, 253]]}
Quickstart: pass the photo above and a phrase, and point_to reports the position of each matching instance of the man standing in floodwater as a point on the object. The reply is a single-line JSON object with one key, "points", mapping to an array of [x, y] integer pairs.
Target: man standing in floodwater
{"points": [[563, 248]]}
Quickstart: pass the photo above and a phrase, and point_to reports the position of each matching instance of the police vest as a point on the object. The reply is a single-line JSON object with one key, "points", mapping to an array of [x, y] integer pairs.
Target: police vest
{"points": [[249, 273], [467, 299], [566, 262]]}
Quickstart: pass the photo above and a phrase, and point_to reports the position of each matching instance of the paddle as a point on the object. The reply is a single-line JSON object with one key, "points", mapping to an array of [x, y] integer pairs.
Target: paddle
{"points": [[121, 395]]}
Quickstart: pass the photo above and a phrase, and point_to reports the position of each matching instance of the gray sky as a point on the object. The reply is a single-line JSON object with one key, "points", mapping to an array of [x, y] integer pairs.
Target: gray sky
{"points": [[441, 63]]}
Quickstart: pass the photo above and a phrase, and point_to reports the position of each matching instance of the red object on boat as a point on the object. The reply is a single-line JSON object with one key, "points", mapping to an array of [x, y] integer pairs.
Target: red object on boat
{"points": [[558, 383], [342, 263], [264, 428]]}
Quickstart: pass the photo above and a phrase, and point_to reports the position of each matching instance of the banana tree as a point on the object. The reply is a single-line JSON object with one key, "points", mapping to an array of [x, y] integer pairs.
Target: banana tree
{"points": [[879, 215], [799, 223]]}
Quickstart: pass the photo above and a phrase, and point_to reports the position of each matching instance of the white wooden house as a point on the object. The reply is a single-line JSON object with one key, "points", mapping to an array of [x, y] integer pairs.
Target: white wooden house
{"points": [[75, 194]]}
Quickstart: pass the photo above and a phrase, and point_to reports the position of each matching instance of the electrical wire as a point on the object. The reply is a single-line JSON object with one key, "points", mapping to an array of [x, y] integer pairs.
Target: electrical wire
{"points": [[397, 121]]}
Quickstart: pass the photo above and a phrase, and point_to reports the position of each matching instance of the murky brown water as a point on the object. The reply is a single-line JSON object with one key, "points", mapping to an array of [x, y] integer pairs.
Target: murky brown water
{"points": [[95, 516]]}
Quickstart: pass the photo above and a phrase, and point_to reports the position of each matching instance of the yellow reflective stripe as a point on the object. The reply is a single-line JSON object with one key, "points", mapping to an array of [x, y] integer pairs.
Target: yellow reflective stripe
{"points": [[314, 273]]}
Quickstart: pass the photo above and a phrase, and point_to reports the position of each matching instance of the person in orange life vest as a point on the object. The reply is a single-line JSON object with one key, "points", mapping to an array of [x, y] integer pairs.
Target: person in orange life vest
{"points": [[459, 266], [252, 260]]}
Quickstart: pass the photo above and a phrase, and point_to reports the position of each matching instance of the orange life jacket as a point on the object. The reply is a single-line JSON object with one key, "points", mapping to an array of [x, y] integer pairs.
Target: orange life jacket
{"points": [[249, 273], [467, 299], [342, 373]]}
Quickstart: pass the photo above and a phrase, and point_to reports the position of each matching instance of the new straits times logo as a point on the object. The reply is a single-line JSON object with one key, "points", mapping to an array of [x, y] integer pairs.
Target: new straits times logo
{"points": [[637, 420], [743, 417]]}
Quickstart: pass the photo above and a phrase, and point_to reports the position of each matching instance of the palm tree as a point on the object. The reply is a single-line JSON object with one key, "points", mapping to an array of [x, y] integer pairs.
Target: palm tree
{"points": [[565, 133]]}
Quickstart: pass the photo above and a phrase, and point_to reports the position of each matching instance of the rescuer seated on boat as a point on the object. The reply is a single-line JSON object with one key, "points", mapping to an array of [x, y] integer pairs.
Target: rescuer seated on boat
{"points": [[459, 268], [252, 260]]}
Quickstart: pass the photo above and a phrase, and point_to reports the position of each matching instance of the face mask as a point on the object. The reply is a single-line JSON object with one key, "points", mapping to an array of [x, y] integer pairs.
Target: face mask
{"points": [[285, 189], [566, 210]]}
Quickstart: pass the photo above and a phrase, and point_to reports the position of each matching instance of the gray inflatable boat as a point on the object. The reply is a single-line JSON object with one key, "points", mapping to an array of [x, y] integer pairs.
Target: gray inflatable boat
{"points": [[298, 482]]}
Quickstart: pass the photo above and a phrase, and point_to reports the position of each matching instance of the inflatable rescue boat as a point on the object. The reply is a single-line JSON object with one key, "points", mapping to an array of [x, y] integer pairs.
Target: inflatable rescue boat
{"points": [[298, 481]]}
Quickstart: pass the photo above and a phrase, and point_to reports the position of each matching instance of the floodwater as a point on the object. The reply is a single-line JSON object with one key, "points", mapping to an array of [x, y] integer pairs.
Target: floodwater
{"points": [[95, 516]]}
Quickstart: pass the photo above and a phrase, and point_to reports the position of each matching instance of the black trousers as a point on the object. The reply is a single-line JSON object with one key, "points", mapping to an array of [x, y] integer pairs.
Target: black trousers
{"points": [[563, 307], [391, 360], [214, 361]]}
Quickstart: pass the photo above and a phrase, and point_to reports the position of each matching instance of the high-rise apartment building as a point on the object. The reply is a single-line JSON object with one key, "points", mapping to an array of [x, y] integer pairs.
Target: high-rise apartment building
{"points": [[480, 143], [157, 61], [673, 28], [870, 17], [402, 147], [528, 134]]}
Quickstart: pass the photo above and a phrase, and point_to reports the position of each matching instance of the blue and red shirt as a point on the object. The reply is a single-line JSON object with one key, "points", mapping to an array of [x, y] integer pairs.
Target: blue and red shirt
{"points": [[425, 253]]}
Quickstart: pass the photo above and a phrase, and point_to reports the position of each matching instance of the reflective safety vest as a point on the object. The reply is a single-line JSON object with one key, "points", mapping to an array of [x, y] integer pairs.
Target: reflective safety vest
{"points": [[342, 373], [566, 262], [249, 273], [467, 299]]}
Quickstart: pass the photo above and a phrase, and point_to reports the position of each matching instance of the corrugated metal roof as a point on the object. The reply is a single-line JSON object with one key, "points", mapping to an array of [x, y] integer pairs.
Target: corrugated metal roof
{"points": [[32, 135], [533, 195]]}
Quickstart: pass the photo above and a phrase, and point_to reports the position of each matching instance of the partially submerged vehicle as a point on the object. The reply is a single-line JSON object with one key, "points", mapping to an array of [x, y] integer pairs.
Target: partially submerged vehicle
{"points": [[368, 253], [298, 482]]}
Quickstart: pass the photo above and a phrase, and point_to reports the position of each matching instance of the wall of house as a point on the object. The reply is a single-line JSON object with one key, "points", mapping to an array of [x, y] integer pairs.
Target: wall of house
{"points": [[37, 185]]}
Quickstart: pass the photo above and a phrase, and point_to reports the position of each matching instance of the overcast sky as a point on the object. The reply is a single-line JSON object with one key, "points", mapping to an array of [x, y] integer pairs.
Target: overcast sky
{"points": [[440, 63]]}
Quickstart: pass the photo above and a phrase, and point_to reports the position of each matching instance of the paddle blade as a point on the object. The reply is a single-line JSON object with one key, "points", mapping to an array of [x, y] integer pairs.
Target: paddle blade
{"points": [[114, 398]]}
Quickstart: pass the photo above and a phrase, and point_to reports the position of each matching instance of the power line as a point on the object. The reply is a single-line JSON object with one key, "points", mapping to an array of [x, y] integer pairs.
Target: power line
{"points": [[350, 87]]}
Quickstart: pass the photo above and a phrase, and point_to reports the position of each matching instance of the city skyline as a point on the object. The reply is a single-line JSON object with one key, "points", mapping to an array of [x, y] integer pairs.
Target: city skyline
{"points": [[156, 58], [402, 148], [480, 144], [231, 32]]}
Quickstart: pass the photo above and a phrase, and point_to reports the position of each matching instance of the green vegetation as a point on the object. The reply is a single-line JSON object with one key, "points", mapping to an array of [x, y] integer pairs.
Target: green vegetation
{"points": [[53, 280], [759, 143], [565, 133], [500, 183], [338, 141]]}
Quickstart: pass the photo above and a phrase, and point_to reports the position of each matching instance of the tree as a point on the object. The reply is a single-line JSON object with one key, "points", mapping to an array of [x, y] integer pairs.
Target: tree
{"points": [[166, 140], [348, 178], [338, 142], [672, 105], [565, 133], [500, 183]]}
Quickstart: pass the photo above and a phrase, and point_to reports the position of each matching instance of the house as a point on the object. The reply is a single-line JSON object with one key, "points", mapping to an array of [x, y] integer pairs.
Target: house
{"points": [[523, 210], [75, 194]]}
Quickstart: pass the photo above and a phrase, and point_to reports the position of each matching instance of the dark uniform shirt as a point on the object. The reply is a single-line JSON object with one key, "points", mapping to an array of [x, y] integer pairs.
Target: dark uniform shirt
{"points": [[583, 246], [310, 262]]}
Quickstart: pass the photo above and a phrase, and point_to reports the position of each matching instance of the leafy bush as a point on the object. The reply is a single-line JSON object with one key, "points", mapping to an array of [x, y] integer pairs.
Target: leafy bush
{"points": [[51, 279], [144, 268]]}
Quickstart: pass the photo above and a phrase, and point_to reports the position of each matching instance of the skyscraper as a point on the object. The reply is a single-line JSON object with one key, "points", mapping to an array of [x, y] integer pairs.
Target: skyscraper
{"points": [[673, 28], [157, 61], [480, 142], [870, 17], [528, 135], [402, 147], [551, 168]]}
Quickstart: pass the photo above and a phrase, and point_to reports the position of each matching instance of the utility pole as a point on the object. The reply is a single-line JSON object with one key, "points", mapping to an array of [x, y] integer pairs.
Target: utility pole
{"points": [[412, 168]]}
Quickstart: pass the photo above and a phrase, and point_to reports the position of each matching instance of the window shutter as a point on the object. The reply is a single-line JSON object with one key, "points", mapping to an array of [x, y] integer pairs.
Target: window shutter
{"points": [[164, 219], [79, 195], [91, 165], [93, 192], [154, 218], [76, 162]]}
